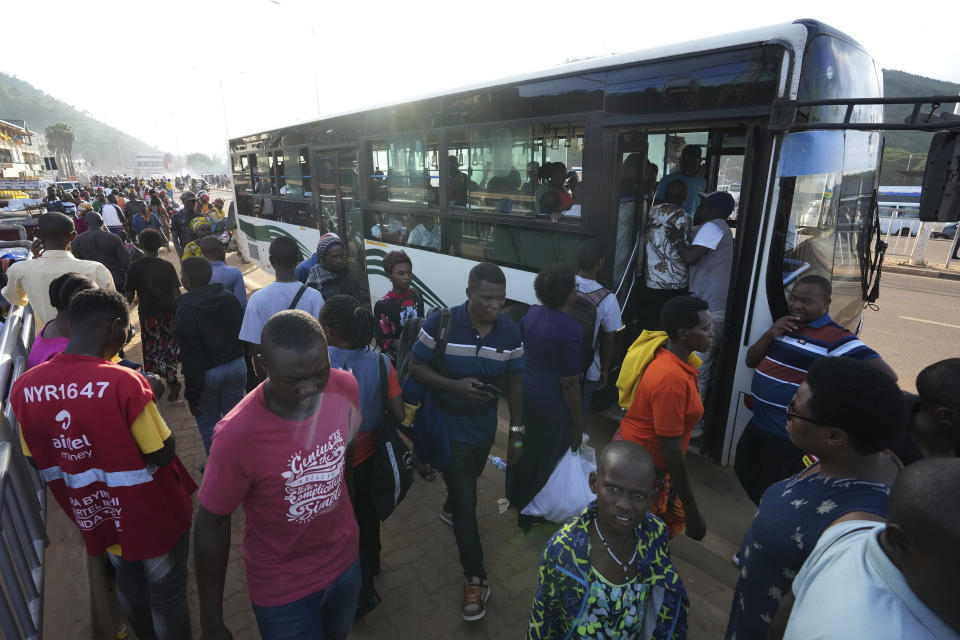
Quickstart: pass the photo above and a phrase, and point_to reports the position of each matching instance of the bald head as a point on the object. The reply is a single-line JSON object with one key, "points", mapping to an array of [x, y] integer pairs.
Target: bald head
{"points": [[922, 536], [921, 497], [624, 454], [93, 220], [212, 248]]}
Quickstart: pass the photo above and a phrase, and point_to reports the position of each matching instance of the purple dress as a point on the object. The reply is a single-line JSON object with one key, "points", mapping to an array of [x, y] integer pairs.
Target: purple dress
{"points": [[552, 347]]}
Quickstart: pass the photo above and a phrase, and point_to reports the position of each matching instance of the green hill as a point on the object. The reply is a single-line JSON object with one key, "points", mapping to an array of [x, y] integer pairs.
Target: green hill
{"points": [[105, 148], [900, 144]]}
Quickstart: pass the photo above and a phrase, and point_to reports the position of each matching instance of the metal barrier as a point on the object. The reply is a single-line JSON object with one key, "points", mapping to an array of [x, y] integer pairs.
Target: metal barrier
{"points": [[23, 504], [900, 233]]}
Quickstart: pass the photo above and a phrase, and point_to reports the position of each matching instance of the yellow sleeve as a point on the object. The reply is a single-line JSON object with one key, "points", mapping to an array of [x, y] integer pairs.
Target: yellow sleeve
{"points": [[23, 445], [149, 430]]}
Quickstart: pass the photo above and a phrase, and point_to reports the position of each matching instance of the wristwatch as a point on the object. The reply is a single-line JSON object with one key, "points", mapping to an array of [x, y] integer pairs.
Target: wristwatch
{"points": [[518, 429]]}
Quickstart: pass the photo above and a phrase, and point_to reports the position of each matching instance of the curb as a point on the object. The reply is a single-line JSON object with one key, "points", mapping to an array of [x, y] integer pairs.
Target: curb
{"points": [[923, 272]]}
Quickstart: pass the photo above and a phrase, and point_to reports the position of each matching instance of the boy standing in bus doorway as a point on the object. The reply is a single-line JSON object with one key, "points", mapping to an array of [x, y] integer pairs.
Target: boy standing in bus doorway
{"points": [[782, 356]]}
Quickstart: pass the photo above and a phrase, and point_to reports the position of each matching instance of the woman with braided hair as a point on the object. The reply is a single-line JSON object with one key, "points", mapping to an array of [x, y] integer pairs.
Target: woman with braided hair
{"points": [[350, 329]]}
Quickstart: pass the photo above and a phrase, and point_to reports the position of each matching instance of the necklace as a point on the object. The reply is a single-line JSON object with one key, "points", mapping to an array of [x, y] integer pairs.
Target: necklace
{"points": [[623, 565]]}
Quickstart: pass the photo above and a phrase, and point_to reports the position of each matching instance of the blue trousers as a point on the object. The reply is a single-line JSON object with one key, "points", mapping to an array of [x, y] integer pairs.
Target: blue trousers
{"points": [[153, 593], [223, 387], [324, 615]]}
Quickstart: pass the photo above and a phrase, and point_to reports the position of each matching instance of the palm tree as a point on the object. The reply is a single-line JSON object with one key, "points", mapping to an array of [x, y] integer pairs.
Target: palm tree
{"points": [[60, 140]]}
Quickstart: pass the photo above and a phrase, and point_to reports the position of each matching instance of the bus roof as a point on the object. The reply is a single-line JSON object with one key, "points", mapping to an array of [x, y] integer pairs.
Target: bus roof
{"points": [[792, 34]]}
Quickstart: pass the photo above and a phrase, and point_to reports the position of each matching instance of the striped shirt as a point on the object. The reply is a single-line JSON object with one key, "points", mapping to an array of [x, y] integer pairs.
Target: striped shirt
{"points": [[489, 358], [785, 366]]}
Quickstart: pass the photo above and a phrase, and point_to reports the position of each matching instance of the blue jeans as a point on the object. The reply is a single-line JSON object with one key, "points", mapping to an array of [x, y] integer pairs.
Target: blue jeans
{"points": [[153, 593], [324, 615], [223, 387]]}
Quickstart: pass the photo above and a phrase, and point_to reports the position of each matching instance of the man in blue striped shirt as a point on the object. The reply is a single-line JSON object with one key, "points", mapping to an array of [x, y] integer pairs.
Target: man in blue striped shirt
{"points": [[782, 356], [482, 359]]}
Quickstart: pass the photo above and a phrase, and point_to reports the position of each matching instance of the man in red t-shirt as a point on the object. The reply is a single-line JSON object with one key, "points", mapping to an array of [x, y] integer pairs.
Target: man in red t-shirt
{"points": [[94, 432], [284, 453]]}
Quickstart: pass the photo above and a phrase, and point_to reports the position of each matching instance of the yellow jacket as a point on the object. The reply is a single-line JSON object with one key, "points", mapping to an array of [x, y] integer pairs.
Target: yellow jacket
{"points": [[639, 355]]}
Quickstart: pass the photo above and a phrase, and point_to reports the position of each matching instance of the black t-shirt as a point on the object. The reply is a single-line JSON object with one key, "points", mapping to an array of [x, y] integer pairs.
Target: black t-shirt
{"points": [[154, 280]]}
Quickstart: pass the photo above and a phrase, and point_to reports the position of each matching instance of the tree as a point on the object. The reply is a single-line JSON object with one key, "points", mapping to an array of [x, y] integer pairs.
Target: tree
{"points": [[199, 161], [60, 139]]}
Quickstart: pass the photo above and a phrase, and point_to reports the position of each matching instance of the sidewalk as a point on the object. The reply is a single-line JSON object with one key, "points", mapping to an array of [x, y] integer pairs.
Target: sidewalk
{"points": [[421, 581], [901, 264]]}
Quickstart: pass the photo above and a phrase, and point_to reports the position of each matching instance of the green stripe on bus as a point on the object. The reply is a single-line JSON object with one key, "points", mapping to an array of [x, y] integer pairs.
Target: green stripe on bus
{"points": [[375, 267]]}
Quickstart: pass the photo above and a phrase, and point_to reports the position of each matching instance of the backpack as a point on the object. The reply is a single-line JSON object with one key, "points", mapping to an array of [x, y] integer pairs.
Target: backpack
{"points": [[409, 336], [584, 311], [392, 473]]}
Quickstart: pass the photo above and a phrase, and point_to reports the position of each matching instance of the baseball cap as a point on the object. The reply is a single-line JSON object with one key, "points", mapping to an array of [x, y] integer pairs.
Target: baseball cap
{"points": [[720, 201]]}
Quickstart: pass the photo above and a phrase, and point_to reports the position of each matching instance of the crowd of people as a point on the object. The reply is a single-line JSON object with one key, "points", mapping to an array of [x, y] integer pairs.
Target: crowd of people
{"points": [[294, 388]]}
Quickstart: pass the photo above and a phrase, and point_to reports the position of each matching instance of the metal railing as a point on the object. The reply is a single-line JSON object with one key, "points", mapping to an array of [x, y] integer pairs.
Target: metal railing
{"points": [[23, 504]]}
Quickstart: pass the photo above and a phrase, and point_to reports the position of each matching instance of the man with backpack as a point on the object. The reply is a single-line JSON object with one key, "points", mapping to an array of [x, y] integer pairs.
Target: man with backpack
{"points": [[597, 310], [467, 356]]}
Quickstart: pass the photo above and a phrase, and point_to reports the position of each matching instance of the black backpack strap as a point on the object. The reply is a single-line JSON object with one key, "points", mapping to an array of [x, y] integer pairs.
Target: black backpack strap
{"points": [[443, 336], [296, 298]]}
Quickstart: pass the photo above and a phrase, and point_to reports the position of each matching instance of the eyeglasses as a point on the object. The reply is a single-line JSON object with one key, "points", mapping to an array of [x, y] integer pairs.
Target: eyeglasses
{"points": [[793, 415]]}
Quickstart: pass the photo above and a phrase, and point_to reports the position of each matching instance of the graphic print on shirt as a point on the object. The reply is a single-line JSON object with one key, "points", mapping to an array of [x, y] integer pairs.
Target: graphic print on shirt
{"points": [[95, 509], [313, 485]]}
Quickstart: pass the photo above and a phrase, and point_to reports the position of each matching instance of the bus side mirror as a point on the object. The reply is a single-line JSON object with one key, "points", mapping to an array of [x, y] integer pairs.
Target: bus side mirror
{"points": [[940, 198]]}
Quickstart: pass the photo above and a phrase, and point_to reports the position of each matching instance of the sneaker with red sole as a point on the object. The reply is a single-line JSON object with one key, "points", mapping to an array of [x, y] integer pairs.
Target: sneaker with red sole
{"points": [[476, 592]]}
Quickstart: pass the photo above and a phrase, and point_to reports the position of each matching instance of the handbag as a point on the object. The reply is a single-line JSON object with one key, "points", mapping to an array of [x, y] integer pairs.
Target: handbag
{"points": [[393, 468]]}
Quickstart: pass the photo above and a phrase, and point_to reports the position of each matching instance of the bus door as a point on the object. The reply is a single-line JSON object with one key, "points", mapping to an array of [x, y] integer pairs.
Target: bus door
{"points": [[337, 198], [642, 159]]}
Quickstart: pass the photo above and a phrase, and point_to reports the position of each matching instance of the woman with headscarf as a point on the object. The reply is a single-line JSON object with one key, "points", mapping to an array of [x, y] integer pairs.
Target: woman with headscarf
{"points": [[331, 276]]}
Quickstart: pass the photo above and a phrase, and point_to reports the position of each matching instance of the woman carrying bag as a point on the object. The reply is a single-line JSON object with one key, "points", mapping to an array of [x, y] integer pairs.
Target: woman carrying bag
{"points": [[350, 330]]}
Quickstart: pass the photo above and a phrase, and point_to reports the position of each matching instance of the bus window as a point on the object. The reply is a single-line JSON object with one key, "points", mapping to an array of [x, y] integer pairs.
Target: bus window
{"points": [[810, 165], [405, 170], [262, 180], [292, 168], [498, 170], [324, 166]]}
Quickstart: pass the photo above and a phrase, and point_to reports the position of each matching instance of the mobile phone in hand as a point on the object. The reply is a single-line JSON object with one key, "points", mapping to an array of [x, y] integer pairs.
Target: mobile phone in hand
{"points": [[489, 388]]}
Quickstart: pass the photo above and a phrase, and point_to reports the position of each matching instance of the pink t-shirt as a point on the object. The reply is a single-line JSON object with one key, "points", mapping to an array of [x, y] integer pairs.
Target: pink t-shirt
{"points": [[45, 348], [299, 532]]}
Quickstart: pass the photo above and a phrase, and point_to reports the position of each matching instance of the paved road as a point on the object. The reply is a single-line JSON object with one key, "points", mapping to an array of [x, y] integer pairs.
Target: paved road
{"points": [[918, 323]]}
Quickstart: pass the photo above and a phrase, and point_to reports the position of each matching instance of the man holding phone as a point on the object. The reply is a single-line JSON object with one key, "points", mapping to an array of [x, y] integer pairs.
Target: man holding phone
{"points": [[483, 355]]}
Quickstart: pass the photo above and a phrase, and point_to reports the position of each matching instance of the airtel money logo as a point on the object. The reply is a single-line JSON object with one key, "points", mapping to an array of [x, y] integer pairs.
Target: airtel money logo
{"points": [[64, 419]]}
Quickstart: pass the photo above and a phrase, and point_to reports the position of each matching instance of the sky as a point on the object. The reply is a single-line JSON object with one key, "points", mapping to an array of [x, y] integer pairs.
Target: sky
{"points": [[185, 75]]}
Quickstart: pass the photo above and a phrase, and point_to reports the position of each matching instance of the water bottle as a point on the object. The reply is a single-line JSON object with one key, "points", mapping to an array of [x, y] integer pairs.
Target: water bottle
{"points": [[498, 462]]}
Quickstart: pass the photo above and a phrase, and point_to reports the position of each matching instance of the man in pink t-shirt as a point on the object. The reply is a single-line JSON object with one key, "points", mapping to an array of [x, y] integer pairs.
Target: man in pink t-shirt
{"points": [[283, 452]]}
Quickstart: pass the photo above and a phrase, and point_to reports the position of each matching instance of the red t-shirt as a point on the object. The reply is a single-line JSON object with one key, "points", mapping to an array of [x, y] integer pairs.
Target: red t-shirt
{"points": [[299, 532], [77, 416], [667, 403]]}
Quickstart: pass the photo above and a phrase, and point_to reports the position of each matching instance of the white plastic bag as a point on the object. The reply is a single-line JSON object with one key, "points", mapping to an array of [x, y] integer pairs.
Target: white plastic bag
{"points": [[567, 491]]}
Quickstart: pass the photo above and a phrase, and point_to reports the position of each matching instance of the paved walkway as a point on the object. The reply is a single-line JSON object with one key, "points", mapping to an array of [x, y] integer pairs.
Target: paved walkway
{"points": [[421, 580]]}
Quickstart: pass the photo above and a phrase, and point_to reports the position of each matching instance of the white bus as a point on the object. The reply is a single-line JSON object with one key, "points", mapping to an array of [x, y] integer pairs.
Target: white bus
{"points": [[803, 203]]}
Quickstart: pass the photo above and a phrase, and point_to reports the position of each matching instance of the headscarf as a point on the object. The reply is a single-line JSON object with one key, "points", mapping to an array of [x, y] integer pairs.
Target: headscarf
{"points": [[319, 273]]}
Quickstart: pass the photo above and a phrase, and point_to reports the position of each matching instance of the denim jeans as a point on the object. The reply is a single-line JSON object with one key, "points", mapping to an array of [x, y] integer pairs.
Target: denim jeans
{"points": [[704, 376], [223, 387], [153, 593], [324, 615], [465, 466]]}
